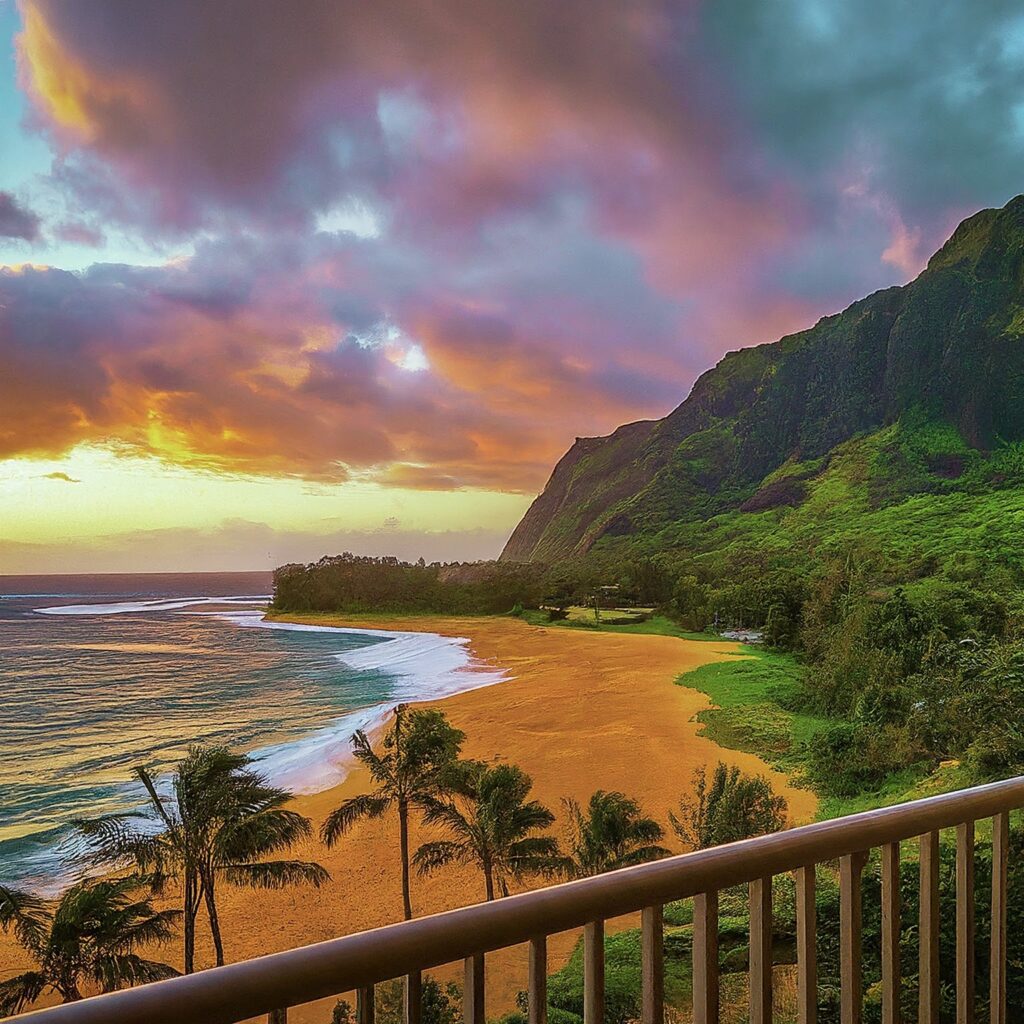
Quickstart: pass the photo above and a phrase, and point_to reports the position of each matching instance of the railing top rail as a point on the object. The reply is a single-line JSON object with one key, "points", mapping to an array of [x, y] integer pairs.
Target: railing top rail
{"points": [[254, 987]]}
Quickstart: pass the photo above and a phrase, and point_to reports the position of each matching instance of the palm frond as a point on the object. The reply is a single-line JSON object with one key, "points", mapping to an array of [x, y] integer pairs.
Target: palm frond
{"points": [[341, 819], [276, 874], [123, 970], [146, 925], [643, 854], [379, 767], [265, 832], [440, 853], [21, 991], [159, 807], [535, 855], [26, 915], [445, 814], [116, 841]]}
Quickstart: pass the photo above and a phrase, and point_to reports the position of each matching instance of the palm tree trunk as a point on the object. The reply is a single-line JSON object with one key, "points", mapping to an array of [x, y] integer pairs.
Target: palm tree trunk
{"points": [[403, 834], [190, 909], [211, 910], [489, 879]]}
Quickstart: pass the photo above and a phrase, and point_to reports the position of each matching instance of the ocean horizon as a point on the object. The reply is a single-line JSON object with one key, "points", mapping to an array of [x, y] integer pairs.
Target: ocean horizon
{"points": [[105, 672]]}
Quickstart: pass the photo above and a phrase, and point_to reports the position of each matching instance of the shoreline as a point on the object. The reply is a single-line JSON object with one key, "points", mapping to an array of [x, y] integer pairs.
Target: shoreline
{"points": [[580, 710]]}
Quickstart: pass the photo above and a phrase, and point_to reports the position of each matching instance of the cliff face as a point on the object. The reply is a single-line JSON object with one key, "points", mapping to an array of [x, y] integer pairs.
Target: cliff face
{"points": [[946, 349]]}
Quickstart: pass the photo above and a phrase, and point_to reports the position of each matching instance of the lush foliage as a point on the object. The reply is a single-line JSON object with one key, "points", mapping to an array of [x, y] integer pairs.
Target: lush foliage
{"points": [[729, 807], [352, 583], [87, 937], [439, 1004]]}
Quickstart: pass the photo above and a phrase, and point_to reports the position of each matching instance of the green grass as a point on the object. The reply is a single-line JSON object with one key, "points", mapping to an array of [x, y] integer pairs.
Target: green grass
{"points": [[658, 625], [752, 694]]}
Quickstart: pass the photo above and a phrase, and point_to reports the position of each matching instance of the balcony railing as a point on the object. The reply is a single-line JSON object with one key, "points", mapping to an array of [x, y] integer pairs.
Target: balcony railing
{"points": [[271, 984]]}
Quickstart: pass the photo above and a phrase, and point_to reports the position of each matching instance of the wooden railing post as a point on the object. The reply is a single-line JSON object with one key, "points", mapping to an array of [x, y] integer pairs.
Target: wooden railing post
{"points": [[965, 923], [761, 951], [593, 973], [366, 1010], [806, 946], [412, 1002], [997, 962], [537, 986], [851, 975], [928, 932], [278, 1016], [705, 958], [652, 955], [891, 913], [473, 990]]}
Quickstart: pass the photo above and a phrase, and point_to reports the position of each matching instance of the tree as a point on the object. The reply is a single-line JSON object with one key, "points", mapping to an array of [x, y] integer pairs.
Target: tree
{"points": [[87, 937], [490, 822], [734, 806], [612, 833], [221, 821], [417, 749], [438, 1005]]}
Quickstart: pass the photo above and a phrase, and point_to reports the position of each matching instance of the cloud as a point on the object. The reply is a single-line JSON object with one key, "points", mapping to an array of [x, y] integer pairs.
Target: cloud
{"points": [[16, 221], [291, 358], [57, 475], [79, 233], [430, 244]]}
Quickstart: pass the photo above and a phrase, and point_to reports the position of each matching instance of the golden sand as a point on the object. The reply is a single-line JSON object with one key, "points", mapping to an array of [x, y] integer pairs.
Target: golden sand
{"points": [[582, 710]]}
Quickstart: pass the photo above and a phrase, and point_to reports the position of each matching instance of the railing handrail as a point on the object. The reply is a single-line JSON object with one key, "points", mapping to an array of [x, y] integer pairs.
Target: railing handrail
{"points": [[250, 988]]}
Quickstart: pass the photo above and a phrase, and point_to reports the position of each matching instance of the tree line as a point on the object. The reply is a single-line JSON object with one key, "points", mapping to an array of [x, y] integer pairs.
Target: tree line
{"points": [[219, 820]]}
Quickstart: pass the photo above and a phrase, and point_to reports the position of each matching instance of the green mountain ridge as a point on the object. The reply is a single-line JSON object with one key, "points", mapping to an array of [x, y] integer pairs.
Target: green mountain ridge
{"points": [[908, 404]]}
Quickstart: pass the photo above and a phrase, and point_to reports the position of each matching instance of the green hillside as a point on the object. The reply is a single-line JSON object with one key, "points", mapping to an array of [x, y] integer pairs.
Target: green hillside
{"points": [[910, 399]]}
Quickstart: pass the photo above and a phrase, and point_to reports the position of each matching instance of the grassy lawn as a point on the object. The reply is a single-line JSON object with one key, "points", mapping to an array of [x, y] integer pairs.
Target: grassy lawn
{"points": [[659, 625], [753, 695]]}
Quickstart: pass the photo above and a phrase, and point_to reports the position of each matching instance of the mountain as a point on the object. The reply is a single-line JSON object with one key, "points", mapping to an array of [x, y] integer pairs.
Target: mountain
{"points": [[912, 391]]}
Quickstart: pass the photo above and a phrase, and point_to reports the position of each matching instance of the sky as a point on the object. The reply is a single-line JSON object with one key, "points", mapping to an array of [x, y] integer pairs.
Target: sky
{"points": [[280, 280]]}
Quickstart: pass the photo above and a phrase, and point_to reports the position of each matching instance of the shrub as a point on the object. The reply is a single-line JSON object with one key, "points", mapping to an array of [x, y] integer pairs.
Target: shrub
{"points": [[733, 806]]}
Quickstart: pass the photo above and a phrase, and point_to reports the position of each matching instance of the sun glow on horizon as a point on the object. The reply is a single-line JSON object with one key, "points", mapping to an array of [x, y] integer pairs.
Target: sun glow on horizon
{"points": [[94, 497]]}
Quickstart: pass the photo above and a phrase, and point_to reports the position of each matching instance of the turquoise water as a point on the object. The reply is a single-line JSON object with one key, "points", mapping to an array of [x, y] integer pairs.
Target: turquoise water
{"points": [[85, 696]]}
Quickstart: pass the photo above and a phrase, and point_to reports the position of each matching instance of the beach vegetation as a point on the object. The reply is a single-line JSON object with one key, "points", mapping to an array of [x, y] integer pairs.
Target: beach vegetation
{"points": [[88, 938], [489, 821], [439, 1004], [220, 820], [612, 832], [410, 767], [356, 584], [729, 806]]}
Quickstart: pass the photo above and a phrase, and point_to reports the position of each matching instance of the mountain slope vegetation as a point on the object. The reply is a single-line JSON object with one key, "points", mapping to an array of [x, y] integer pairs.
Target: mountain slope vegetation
{"points": [[916, 391]]}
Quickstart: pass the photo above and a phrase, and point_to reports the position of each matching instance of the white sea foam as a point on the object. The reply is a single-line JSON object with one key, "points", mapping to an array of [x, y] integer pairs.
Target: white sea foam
{"points": [[165, 605], [425, 666]]}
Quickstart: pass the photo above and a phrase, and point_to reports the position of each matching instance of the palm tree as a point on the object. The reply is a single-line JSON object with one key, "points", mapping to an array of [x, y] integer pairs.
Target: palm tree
{"points": [[732, 806], [222, 821], [415, 752], [88, 936], [491, 823], [613, 833]]}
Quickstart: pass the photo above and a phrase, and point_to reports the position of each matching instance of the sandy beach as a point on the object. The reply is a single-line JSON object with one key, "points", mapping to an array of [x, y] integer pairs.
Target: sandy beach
{"points": [[580, 711]]}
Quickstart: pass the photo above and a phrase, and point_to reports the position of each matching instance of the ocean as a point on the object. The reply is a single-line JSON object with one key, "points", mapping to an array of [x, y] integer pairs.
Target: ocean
{"points": [[102, 673]]}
